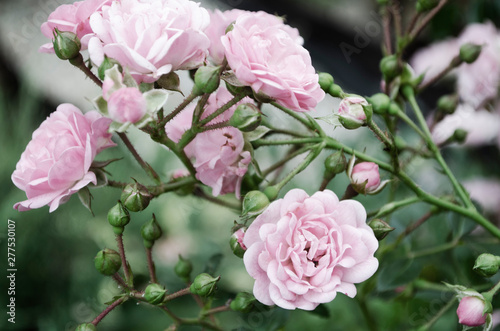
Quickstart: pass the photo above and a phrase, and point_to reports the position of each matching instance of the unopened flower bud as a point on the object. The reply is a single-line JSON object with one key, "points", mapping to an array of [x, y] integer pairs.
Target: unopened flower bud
{"points": [[448, 103], [380, 228], [487, 265], [207, 79], [243, 302], [86, 327], [389, 67], [183, 269], [470, 52], [335, 164], [66, 45], [170, 81], [236, 242], [426, 5], [118, 217], [204, 285], [247, 117], [394, 109], [459, 136], [470, 311], [107, 64], [107, 262], [150, 232], [154, 294], [271, 192], [135, 197], [380, 103], [335, 91], [254, 203], [325, 81], [262, 97], [365, 177], [352, 112]]}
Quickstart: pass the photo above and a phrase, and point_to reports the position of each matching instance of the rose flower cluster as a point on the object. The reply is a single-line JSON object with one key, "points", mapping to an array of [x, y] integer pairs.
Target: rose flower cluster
{"points": [[302, 250]]}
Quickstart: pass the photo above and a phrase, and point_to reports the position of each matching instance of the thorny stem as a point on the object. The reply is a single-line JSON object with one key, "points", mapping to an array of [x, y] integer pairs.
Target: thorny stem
{"points": [[427, 19], [151, 265], [80, 64], [119, 280], [293, 114], [217, 310], [121, 250], [106, 311], [455, 62], [222, 109], [228, 204], [177, 294], [177, 110], [147, 168], [285, 160]]}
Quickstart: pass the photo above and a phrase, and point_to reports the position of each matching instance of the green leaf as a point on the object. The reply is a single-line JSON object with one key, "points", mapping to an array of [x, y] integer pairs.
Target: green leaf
{"points": [[155, 99], [331, 119], [101, 105], [256, 134], [86, 198]]}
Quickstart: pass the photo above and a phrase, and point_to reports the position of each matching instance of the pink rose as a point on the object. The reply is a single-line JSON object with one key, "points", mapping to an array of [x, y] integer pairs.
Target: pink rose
{"points": [[351, 112], [56, 161], [219, 21], [434, 58], [150, 38], [264, 56], [126, 105], [303, 250], [220, 160], [365, 177], [73, 18], [471, 311]]}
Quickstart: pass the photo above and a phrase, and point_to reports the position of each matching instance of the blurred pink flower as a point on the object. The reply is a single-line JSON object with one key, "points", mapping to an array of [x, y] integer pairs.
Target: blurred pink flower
{"points": [[220, 160], [126, 105], [486, 192], [150, 38], [303, 249], [264, 56], [219, 21], [56, 161], [73, 18], [471, 311]]}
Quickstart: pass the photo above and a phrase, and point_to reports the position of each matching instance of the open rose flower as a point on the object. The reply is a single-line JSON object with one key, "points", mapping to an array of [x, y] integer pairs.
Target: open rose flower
{"points": [[73, 18], [264, 56], [57, 160], [220, 158], [150, 38], [303, 250], [219, 21]]}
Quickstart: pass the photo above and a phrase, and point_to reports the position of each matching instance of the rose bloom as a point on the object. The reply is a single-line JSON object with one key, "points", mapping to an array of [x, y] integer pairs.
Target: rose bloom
{"points": [[303, 249], [56, 161], [264, 56], [471, 311], [220, 158], [73, 18], [219, 22], [127, 105], [150, 38]]}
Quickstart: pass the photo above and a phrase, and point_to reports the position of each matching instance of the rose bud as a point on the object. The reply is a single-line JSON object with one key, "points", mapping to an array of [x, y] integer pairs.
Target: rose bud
{"points": [[183, 269], [66, 45], [254, 203], [380, 228], [236, 242], [470, 52], [246, 117], [390, 67], [380, 103], [336, 91], [207, 79], [243, 302], [135, 197], [335, 164], [448, 103], [154, 294], [204, 285], [487, 265], [325, 81], [107, 262], [365, 177], [170, 81], [118, 217], [86, 327], [471, 311], [352, 113], [127, 105], [150, 232]]}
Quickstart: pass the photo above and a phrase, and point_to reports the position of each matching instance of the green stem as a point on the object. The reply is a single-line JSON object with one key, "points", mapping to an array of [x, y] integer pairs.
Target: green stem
{"points": [[147, 168], [177, 110], [168, 187], [434, 250], [228, 204], [216, 310], [106, 311], [151, 265], [393, 206], [410, 96], [177, 294], [387, 142], [427, 19], [293, 114], [121, 250], [285, 160], [222, 109], [80, 64], [299, 141], [489, 295], [436, 317], [410, 123]]}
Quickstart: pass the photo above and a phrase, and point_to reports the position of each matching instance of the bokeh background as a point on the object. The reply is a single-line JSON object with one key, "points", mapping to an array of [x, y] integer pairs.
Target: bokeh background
{"points": [[57, 286]]}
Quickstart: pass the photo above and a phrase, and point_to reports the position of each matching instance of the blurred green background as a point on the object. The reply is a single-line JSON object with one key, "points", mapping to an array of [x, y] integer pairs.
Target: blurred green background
{"points": [[57, 286]]}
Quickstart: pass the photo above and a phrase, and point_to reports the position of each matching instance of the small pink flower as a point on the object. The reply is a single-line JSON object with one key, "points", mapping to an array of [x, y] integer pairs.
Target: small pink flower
{"points": [[56, 161], [220, 160], [471, 311], [126, 105], [150, 38], [266, 57], [219, 22], [351, 112], [73, 18], [303, 250], [365, 177]]}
